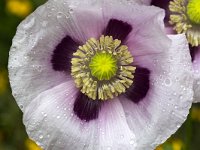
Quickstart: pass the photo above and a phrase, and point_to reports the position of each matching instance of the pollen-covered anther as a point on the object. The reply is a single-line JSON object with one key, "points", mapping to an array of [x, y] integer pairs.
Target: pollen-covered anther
{"points": [[178, 16], [102, 69], [185, 16]]}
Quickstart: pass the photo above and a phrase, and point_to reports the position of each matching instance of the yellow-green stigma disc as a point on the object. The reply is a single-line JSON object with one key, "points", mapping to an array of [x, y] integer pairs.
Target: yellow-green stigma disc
{"points": [[193, 11], [103, 66]]}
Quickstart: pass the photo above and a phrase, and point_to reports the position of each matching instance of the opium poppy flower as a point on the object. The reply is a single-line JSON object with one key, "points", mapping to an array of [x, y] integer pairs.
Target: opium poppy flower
{"points": [[99, 75]]}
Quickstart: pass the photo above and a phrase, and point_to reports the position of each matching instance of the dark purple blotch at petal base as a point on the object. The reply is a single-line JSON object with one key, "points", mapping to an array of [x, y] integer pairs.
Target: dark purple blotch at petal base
{"points": [[193, 51], [86, 108], [140, 86], [62, 55], [118, 29]]}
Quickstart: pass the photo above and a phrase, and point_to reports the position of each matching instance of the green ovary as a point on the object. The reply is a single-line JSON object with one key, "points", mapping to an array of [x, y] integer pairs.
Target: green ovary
{"points": [[193, 11], [103, 66]]}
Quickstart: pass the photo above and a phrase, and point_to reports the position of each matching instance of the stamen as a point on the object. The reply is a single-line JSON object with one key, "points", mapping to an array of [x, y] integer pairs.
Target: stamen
{"points": [[185, 15], [179, 17], [102, 68]]}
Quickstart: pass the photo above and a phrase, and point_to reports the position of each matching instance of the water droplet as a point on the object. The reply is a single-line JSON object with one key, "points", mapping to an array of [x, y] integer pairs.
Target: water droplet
{"points": [[71, 10], [41, 136], [29, 23], [21, 106], [59, 15], [44, 23], [167, 82], [132, 141]]}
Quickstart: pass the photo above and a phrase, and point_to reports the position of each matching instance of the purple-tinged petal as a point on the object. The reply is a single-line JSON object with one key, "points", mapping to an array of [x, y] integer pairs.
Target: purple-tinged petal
{"points": [[51, 122], [148, 34], [35, 41], [85, 18], [196, 68], [113, 128], [146, 2], [131, 2], [62, 55], [49, 97], [167, 103], [170, 30]]}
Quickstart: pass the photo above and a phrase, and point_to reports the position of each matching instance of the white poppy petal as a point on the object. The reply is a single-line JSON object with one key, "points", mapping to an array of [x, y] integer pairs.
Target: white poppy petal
{"points": [[35, 41], [53, 112], [148, 34], [145, 2], [51, 122], [168, 100]]}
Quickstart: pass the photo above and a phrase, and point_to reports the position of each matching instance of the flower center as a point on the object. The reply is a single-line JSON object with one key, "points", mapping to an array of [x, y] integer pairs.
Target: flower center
{"points": [[102, 68], [185, 17], [193, 11]]}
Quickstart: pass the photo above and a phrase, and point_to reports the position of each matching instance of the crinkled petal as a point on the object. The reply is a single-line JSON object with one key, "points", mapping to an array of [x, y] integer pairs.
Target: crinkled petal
{"points": [[130, 2], [146, 2], [196, 67], [51, 122], [37, 37], [148, 34], [82, 19], [48, 96], [167, 103]]}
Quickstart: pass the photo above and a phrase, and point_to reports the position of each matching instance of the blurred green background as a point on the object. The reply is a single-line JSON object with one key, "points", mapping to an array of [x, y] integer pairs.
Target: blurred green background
{"points": [[12, 132]]}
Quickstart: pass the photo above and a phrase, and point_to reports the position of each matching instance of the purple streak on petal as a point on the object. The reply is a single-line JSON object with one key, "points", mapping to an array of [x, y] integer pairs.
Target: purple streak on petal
{"points": [[86, 108], [140, 86], [193, 51], [118, 29], [165, 5], [61, 58]]}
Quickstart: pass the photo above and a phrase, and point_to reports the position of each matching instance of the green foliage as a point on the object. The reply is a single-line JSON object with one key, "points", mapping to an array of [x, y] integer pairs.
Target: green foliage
{"points": [[12, 131]]}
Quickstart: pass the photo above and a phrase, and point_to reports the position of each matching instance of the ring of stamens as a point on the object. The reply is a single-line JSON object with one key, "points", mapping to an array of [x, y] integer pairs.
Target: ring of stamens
{"points": [[102, 68], [184, 15]]}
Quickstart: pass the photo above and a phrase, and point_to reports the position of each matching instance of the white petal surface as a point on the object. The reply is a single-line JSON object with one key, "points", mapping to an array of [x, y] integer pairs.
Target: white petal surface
{"points": [[146, 2], [196, 68], [168, 100], [148, 35], [46, 96], [50, 121], [36, 38]]}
